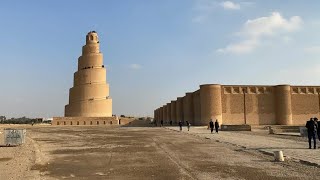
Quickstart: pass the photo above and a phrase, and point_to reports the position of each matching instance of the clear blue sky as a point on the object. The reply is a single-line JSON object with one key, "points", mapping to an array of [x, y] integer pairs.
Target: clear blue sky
{"points": [[155, 51]]}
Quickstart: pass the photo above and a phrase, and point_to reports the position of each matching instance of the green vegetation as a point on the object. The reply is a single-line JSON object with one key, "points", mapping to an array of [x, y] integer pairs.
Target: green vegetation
{"points": [[21, 120]]}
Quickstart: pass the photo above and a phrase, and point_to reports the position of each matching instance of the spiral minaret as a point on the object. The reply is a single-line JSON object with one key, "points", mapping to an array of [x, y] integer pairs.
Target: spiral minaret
{"points": [[89, 96]]}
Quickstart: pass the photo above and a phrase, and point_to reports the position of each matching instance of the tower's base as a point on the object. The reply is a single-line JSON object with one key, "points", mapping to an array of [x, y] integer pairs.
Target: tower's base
{"points": [[85, 121], [92, 108]]}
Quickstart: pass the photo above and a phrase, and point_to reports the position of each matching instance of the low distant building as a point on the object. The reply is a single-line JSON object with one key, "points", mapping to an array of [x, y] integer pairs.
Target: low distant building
{"points": [[47, 120]]}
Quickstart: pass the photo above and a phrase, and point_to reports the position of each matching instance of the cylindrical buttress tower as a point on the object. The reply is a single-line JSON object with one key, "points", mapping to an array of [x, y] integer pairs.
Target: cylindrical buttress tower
{"points": [[173, 116], [211, 105], [157, 114], [179, 109], [188, 108], [196, 107], [161, 113], [169, 112], [165, 118], [283, 105]]}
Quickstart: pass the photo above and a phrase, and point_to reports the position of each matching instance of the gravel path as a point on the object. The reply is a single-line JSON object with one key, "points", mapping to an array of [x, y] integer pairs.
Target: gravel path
{"points": [[140, 153], [292, 147]]}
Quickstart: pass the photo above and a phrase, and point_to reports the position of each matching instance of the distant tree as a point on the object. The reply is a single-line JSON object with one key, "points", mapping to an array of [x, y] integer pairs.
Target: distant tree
{"points": [[122, 116], [2, 119], [21, 120]]}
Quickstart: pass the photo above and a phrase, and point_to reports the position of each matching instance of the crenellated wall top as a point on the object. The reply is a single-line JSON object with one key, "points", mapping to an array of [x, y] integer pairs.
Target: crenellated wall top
{"points": [[247, 89]]}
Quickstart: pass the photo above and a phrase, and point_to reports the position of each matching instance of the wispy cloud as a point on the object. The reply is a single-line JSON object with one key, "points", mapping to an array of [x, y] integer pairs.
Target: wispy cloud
{"points": [[135, 66], [245, 46], [229, 5], [204, 9], [312, 49], [253, 32]]}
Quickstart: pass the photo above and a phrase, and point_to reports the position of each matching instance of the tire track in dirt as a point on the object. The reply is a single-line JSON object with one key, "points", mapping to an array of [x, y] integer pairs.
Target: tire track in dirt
{"points": [[184, 169]]}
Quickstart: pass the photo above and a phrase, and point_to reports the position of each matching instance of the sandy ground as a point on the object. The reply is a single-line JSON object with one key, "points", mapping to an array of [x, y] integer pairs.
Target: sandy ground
{"points": [[137, 153]]}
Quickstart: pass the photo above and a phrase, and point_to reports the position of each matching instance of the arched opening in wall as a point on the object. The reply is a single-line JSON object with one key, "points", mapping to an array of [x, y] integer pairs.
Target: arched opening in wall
{"points": [[71, 123], [97, 122], [58, 123], [104, 122], [90, 122], [91, 38], [110, 122], [77, 122], [84, 123], [64, 123]]}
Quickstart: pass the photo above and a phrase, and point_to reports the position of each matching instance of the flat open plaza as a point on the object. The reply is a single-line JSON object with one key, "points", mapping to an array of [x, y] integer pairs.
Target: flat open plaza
{"points": [[95, 152]]}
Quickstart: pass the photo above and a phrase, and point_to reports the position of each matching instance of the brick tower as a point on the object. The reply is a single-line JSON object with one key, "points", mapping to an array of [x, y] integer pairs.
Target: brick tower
{"points": [[89, 96]]}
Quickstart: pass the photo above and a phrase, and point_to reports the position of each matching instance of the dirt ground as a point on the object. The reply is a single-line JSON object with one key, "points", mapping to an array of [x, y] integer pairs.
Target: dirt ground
{"points": [[136, 153]]}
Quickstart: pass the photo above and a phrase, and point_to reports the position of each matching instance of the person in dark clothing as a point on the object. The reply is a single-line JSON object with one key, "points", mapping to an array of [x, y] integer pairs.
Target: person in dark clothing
{"points": [[318, 126], [170, 122], [188, 125], [216, 126], [180, 124], [211, 125], [161, 123], [312, 130]]}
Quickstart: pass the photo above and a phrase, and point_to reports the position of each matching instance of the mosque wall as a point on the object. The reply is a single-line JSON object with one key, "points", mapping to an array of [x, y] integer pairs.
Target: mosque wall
{"points": [[254, 105]]}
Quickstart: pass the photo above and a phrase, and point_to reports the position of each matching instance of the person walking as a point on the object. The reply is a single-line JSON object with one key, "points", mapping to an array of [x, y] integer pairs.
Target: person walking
{"points": [[180, 124], [211, 125], [188, 125], [312, 130], [216, 126], [161, 123]]}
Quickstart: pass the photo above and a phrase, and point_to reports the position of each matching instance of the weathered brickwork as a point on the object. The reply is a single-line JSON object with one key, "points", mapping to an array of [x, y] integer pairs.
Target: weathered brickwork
{"points": [[85, 121], [255, 105], [89, 100]]}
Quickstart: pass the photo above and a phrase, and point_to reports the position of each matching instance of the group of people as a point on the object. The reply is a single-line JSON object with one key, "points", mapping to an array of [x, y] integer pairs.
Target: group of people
{"points": [[313, 127], [214, 125], [181, 124]]}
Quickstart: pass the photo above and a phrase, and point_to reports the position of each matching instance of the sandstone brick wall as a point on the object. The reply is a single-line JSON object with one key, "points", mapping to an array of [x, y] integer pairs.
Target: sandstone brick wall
{"points": [[124, 120], [305, 104], [254, 105], [259, 105], [196, 107], [188, 111], [100, 121], [173, 116]]}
